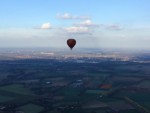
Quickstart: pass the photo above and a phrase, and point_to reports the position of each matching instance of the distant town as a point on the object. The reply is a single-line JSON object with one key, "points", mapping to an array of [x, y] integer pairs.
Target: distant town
{"points": [[102, 54]]}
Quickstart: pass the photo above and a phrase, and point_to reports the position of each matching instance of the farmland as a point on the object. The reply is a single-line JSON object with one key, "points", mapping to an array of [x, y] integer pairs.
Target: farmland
{"points": [[65, 86]]}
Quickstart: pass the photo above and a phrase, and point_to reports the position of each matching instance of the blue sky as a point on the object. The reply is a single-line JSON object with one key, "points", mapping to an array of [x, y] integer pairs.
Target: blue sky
{"points": [[93, 23]]}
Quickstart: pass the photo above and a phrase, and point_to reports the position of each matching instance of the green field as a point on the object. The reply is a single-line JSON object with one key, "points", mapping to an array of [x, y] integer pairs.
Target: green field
{"points": [[53, 111], [3, 75], [69, 91], [31, 108], [102, 92], [16, 88], [129, 111], [139, 97], [144, 84], [98, 75], [5, 98], [101, 110]]}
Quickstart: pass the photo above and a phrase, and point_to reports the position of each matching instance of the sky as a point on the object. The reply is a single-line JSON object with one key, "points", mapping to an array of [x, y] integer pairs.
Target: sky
{"points": [[93, 23]]}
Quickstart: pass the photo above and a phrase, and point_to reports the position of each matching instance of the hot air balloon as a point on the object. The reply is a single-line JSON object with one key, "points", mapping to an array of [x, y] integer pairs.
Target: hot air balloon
{"points": [[71, 43]]}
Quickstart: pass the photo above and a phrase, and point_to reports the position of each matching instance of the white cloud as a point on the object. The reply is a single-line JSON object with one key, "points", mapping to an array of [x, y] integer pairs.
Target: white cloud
{"points": [[69, 16], [113, 27], [65, 16], [77, 29], [87, 23], [85, 27], [46, 26]]}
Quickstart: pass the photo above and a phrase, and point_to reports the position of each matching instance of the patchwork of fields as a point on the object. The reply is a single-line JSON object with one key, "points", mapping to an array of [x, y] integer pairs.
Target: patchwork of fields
{"points": [[47, 86]]}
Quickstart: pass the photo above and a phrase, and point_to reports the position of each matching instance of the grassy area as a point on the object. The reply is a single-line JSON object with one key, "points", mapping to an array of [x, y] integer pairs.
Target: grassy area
{"points": [[88, 97], [31, 108], [144, 84], [5, 98], [97, 91], [146, 104], [129, 111], [53, 111], [98, 74], [69, 91], [136, 96], [17, 88], [3, 75], [101, 110], [80, 98], [140, 97]]}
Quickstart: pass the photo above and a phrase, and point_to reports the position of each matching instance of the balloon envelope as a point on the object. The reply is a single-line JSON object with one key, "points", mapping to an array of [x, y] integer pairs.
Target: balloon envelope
{"points": [[71, 43]]}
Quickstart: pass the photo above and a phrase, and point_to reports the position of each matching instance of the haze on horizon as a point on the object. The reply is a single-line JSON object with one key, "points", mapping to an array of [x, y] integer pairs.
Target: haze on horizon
{"points": [[94, 23]]}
